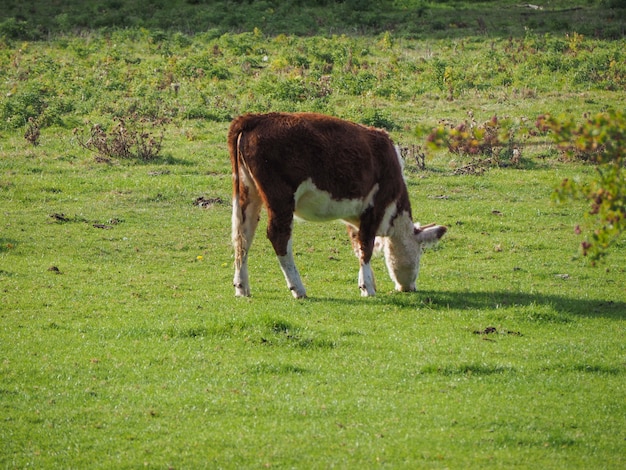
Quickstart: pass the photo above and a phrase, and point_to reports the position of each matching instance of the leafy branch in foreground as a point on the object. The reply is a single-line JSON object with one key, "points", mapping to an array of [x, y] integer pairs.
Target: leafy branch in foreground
{"points": [[602, 141], [128, 139]]}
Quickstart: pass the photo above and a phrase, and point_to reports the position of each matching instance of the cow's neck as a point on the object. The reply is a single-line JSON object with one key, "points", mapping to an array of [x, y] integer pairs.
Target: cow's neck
{"points": [[401, 239]]}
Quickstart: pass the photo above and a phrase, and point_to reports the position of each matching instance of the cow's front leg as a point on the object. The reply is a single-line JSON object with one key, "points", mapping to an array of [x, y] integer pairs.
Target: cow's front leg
{"points": [[279, 231], [241, 281], [363, 249], [367, 284]]}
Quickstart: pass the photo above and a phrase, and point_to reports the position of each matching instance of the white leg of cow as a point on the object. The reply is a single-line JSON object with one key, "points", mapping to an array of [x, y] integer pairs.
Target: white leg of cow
{"points": [[292, 276], [241, 243], [366, 280], [243, 227], [367, 284]]}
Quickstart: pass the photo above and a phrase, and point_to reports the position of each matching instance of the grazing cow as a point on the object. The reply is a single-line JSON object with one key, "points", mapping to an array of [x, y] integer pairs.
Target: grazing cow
{"points": [[322, 168]]}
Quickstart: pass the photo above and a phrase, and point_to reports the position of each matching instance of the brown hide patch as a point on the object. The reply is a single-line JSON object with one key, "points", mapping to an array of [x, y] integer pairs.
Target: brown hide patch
{"points": [[281, 150]]}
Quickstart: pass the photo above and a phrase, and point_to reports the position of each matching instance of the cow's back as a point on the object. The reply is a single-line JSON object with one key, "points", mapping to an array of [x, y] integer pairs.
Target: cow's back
{"points": [[340, 157]]}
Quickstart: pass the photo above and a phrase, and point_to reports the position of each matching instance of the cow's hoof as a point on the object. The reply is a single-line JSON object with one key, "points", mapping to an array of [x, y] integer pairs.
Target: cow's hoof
{"points": [[241, 292], [367, 292]]}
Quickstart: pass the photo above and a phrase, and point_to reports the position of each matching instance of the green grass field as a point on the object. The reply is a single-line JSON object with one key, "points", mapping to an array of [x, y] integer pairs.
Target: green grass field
{"points": [[122, 344]]}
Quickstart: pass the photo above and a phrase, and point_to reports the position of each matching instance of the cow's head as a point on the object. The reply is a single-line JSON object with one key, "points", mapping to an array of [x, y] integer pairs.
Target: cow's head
{"points": [[402, 254]]}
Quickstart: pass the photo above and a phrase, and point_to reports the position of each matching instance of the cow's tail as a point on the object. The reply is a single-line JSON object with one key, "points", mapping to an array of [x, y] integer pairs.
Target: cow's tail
{"points": [[238, 238], [241, 126]]}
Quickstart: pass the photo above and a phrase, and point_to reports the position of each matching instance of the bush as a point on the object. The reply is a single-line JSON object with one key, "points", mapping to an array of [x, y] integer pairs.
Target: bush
{"points": [[14, 29], [18, 108], [128, 139], [489, 144], [601, 139], [378, 118]]}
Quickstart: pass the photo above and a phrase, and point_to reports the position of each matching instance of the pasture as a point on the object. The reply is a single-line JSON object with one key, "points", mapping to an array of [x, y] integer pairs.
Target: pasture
{"points": [[122, 344]]}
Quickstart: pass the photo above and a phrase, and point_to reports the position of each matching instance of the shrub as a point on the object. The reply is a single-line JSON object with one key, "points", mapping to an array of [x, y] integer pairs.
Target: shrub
{"points": [[356, 84], [17, 109], [128, 139], [32, 132], [378, 118], [14, 29], [601, 139], [491, 143]]}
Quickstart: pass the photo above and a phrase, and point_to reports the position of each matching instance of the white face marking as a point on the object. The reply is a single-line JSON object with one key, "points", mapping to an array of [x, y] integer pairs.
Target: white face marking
{"points": [[402, 253], [403, 250], [316, 205]]}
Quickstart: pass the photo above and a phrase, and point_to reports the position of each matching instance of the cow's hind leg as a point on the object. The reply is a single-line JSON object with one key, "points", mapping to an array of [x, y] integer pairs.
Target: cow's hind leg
{"points": [[279, 231], [363, 249], [246, 211]]}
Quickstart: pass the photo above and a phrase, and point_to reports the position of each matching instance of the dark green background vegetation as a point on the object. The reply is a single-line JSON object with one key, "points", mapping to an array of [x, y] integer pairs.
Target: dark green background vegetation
{"points": [[38, 19]]}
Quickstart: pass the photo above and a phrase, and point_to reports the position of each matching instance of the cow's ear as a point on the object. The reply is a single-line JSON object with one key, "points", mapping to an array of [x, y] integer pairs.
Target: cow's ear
{"points": [[430, 234]]}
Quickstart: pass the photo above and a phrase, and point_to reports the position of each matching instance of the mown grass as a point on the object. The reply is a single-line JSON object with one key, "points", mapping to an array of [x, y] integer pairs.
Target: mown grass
{"points": [[136, 352], [122, 344]]}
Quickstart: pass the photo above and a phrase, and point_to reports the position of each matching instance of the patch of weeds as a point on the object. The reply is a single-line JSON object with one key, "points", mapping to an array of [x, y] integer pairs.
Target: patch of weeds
{"points": [[522, 439], [279, 326], [53, 326], [294, 89], [414, 153], [52, 190], [487, 145], [543, 314], [219, 330], [599, 369], [17, 109], [128, 139], [378, 118], [350, 333], [32, 132], [6, 245], [315, 343], [224, 329]]}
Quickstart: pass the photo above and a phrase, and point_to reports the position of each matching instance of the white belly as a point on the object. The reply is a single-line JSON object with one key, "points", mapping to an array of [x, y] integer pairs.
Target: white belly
{"points": [[316, 205]]}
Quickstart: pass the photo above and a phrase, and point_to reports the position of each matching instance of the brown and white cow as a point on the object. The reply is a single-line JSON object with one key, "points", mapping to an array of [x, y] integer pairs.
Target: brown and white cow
{"points": [[322, 168]]}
